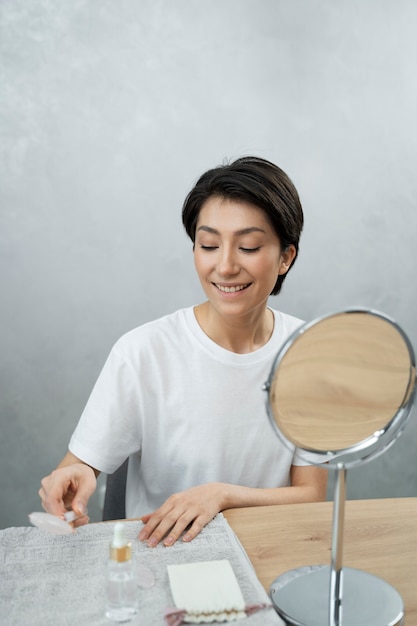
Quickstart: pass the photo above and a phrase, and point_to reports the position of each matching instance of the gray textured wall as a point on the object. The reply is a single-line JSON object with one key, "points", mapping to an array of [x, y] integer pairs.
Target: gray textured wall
{"points": [[110, 110]]}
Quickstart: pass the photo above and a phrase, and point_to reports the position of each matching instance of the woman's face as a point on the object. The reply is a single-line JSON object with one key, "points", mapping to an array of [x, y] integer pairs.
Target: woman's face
{"points": [[238, 256]]}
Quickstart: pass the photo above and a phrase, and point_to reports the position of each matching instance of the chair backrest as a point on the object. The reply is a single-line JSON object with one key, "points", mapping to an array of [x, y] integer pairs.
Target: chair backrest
{"points": [[115, 496]]}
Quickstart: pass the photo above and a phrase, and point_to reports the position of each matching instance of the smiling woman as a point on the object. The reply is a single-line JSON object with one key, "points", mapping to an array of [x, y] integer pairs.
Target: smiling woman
{"points": [[238, 258], [181, 397], [256, 182]]}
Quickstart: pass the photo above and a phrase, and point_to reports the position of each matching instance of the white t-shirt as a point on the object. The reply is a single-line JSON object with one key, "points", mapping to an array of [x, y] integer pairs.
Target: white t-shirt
{"points": [[185, 410]]}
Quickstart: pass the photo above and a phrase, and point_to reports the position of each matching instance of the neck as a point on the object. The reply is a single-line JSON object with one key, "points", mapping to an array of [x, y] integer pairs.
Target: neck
{"points": [[238, 334]]}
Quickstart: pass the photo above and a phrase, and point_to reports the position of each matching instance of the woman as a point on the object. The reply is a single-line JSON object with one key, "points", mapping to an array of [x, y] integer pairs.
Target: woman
{"points": [[182, 396]]}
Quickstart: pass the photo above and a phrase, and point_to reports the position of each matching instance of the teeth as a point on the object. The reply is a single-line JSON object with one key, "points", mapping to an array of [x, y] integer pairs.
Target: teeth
{"points": [[231, 289]]}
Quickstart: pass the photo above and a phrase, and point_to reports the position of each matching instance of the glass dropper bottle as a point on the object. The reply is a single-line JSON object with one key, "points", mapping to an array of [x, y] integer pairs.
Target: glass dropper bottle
{"points": [[121, 583]]}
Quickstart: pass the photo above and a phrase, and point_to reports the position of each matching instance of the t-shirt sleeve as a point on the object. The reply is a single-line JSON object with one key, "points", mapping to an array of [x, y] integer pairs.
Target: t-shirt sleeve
{"points": [[303, 457], [109, 428]]}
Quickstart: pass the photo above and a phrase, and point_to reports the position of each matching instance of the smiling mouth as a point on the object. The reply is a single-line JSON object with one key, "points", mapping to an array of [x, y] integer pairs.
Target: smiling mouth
{"points": [[231, 288]]}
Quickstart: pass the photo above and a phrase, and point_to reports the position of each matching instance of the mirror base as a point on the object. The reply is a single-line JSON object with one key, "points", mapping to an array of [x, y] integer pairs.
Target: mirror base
{"points": [[301, 598]]}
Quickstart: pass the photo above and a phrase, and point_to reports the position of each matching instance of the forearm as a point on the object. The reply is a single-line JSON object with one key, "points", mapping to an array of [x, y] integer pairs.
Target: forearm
{"points": [[70, 459], [307, 485], [235, 496], [195, 507]]}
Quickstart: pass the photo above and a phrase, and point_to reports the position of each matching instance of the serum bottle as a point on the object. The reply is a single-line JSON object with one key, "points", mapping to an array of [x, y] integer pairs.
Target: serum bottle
{"points": [[121, 583]]}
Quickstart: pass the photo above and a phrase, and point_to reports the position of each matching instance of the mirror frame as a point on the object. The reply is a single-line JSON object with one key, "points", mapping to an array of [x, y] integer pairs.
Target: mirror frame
{"points": [[370, 447]]}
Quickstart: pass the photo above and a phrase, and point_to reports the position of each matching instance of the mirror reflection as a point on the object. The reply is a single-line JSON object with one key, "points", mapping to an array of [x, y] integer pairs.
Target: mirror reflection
{"points": [[341, 380]]}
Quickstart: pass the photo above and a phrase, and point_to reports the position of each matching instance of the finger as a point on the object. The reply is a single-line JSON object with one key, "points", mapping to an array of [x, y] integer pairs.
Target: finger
{"points": [[155, 535], [161, 528], [152, 521], [52, 505], [195, 529], [80, 521], [169, 535], [79, 505], [144, 534], [191, 528]]}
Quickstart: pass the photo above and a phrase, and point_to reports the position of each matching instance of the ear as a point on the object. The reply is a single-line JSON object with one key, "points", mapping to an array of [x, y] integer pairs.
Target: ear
{"points": [[286, 259]]}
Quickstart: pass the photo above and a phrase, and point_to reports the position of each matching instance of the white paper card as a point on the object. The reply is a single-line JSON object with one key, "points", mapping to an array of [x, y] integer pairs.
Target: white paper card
{"points": [[208, 591]]}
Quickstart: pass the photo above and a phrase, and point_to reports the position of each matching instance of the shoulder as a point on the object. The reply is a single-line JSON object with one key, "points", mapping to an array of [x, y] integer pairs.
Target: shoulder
{"points": [[165, 329], [288, 323]]}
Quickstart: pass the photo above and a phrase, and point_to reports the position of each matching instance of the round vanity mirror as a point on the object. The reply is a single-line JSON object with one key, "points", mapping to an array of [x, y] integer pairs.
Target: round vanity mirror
{"points": [[341, 386], [341, 389]]}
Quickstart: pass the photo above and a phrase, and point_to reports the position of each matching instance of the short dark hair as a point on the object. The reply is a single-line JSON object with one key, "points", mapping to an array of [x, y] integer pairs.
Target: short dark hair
{"points": [[258, 182]]}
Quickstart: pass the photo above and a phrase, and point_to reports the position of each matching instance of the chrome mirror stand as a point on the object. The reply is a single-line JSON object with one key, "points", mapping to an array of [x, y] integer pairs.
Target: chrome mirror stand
{"points": [[320, 595]]}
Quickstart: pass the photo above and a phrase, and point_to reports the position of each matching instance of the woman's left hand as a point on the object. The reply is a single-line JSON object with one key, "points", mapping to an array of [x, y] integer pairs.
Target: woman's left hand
{"points": [[191, 509]]}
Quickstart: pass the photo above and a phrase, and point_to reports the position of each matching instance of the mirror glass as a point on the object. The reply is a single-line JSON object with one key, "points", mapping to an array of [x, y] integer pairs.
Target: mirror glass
{"points": [[338, 382]]}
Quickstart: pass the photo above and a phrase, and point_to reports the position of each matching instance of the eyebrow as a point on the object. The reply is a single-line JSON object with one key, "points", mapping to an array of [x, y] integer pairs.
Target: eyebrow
{"points": [[243, 231]]}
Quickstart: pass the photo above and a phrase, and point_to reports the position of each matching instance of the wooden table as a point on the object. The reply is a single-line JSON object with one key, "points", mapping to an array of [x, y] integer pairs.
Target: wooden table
{"points": [[380, 537]]}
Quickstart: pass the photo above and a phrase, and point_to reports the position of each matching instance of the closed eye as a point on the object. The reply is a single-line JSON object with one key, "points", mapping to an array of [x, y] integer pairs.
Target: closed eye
{"points": [[208, 247], [249, 250]]}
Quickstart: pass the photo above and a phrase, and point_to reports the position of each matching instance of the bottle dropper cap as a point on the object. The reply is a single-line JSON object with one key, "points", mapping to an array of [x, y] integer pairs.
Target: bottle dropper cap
{"points": [[120, 548]]}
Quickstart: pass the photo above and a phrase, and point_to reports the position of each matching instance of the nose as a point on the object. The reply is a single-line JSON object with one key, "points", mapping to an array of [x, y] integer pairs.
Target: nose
{"points": [[227, 263]]}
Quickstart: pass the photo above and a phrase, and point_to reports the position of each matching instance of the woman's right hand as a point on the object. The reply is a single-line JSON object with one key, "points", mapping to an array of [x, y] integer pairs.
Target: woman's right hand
{"points": [[67, 488]]}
